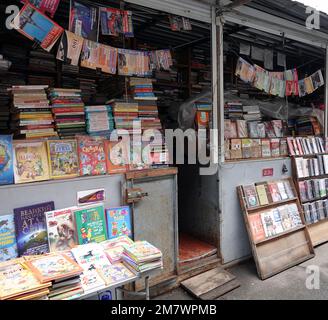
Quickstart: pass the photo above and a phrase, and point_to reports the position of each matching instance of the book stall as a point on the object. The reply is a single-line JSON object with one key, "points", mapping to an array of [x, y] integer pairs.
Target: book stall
{"points": [[274, 124]]}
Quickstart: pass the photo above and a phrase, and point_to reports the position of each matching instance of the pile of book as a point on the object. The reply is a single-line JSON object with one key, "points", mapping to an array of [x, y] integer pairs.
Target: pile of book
{"points": [[252, 113], [305, 146], [61, 270], [4, 64], [261, 194], [312, 167], [234, 111], [142, 256], [68, 110], [315, 211], [18, 282], [31, 115], [100, 120], [98, 272], [126, 117]]}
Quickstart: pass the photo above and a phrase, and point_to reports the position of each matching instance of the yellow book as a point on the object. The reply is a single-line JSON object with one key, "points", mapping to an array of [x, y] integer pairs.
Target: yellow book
{"points": [[261, 192], [63, 159], [30, 161]]}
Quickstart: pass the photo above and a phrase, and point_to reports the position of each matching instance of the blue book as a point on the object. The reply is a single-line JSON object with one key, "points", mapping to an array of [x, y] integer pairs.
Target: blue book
{"points": [[31, 229], [6, 160], [118, 222], [8, 246]]}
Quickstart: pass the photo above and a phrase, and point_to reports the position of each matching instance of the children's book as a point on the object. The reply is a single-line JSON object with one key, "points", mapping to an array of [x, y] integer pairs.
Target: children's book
{"points": [[91, 156], [118, 222], [90, 224], [116, 157], [16, 279], [63, 159], [268, 224], [8, 245], [31, 229], [6, 160], [142, 251], [115, 247], [61, 229], [53, 267], [251, 196], [117, 273], [30, 161]]}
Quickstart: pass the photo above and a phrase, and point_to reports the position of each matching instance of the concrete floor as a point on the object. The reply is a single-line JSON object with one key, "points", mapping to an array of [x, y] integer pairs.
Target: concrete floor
{"points": [[288, 285]]}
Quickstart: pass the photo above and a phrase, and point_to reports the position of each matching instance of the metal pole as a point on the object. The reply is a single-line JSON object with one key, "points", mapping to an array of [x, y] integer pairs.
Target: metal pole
{"points": [[326, 97], [216, 117], [221, 88]]}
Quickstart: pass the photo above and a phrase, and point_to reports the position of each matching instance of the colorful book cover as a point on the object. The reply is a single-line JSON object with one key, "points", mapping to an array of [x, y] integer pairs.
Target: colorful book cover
{"points": [[63, 159], [118, 222], [274, 191], [84, 20], [45, 6], [256, 227], [30, 162], [115, 247], [31, 229], [268, 224], [36, 26], [116, 157], [251, 196], [53, 267], [16, 279], [142, 251], [6, 160], [61, 229], [8, 245], [90, 224], [117, 273], [92, 157], [262, 194]]}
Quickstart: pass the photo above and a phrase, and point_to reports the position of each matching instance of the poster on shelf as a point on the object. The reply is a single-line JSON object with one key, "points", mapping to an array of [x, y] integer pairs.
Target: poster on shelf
{"points": [[36, 26], [84, 20]]}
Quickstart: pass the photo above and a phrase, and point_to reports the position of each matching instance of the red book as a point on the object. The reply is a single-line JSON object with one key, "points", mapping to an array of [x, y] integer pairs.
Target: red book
{"points": [[92, 158], [256, 225], [116, 157]]}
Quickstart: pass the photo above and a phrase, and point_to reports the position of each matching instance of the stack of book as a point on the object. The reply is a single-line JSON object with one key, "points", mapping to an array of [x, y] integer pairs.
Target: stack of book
{"points": [[304, 126], [17, 282], [142, 256], [31, 115], [4, 64], [68, 110], [61, 269], [252, 113], [100, 120], [234, 111], [126, 117], [315, 211]]}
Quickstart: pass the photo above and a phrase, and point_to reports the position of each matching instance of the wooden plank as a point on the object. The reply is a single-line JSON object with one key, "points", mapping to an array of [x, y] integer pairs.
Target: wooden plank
{"points": [[220, 291], [152, 173], [208, 281], [319, 232]]}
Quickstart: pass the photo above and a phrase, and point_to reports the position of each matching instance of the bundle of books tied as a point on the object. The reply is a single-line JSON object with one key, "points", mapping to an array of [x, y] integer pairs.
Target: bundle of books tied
{"points": [[31, 115], [68, 110], [126, 117], [100, 120], [142, 257]]}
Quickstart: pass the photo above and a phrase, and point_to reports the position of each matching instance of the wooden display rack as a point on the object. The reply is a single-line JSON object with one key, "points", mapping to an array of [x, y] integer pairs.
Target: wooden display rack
{"points": [[283, 251], [318, 231]]}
